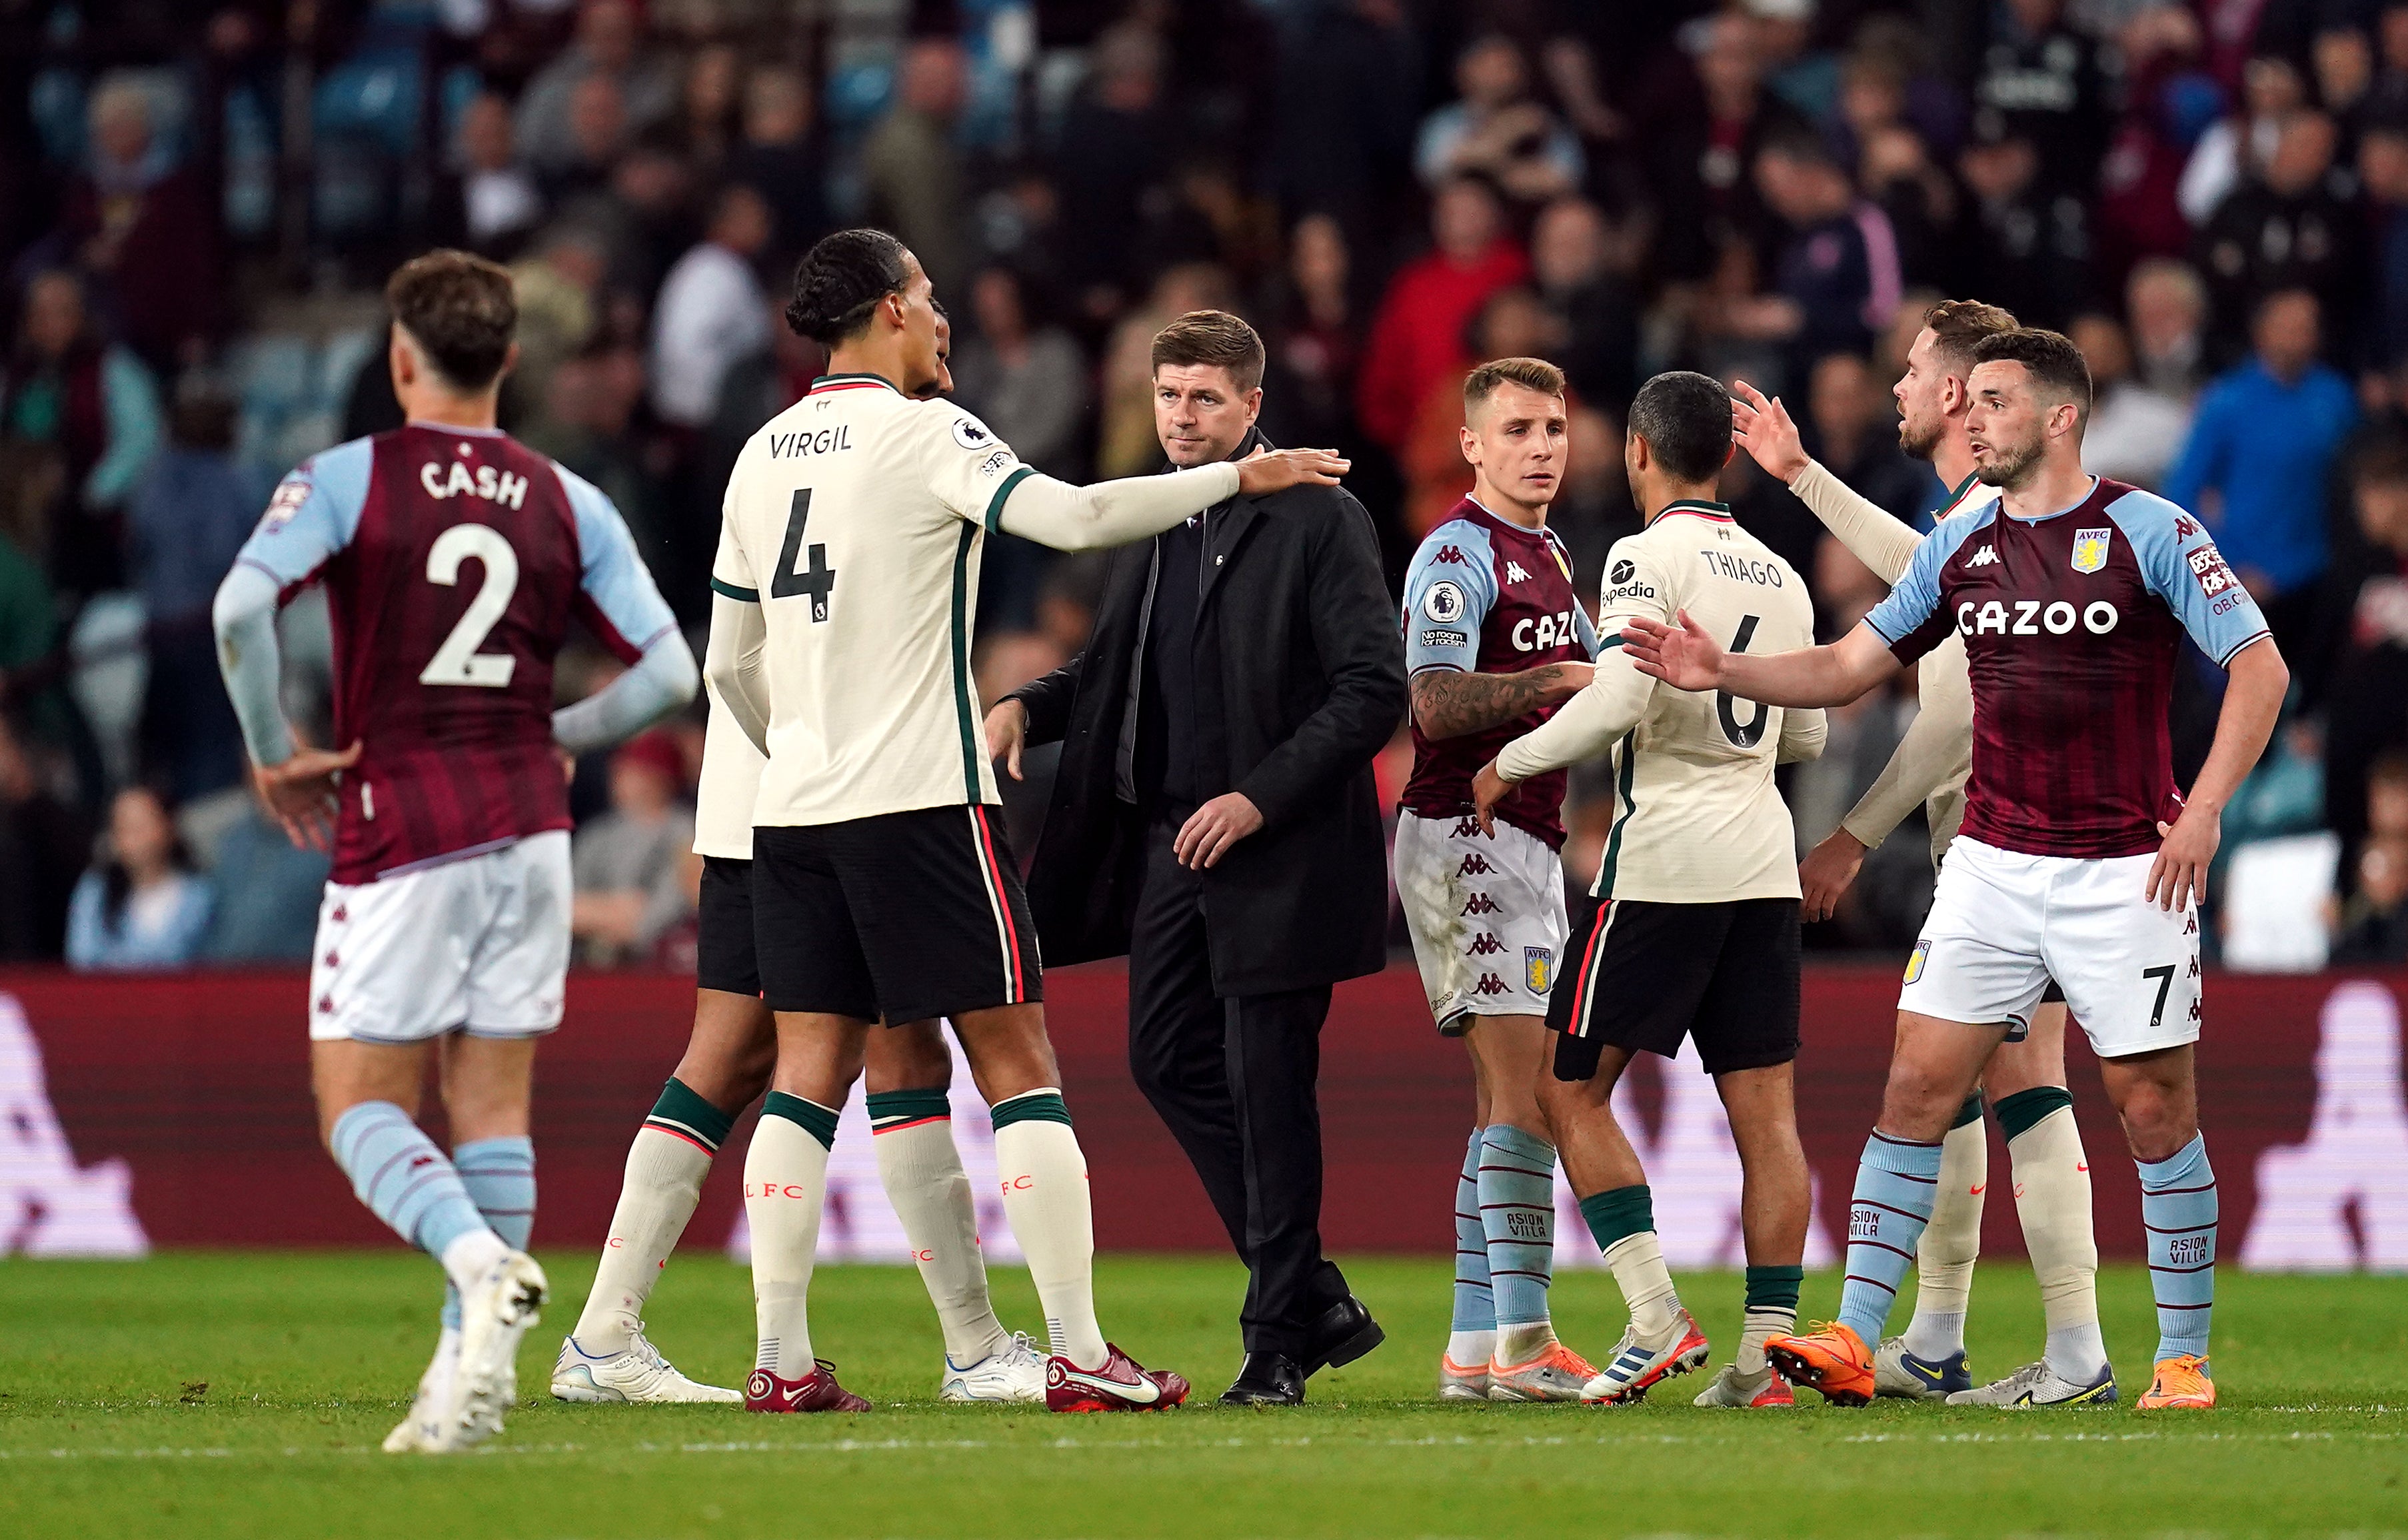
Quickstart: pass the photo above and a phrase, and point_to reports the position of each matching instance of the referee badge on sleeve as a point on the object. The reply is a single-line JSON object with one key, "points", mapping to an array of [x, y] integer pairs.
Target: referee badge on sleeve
{"points": [[1914, 961]]}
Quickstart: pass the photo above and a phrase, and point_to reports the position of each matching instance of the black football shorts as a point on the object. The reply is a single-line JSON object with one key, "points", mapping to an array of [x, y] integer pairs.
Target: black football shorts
{"points": [[1642, 976], [724, 956]]}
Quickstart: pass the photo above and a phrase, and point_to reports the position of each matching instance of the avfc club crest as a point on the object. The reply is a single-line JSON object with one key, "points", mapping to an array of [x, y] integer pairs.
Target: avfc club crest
{"points": [[2090, 549], [1538, 967], [1916, 959]]}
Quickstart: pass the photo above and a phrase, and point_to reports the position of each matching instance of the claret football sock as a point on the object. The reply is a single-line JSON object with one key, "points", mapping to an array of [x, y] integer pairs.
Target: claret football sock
{"points": [[408, 1184], [2178, 1207], [666, 1166], [785, 1184], [1517, 1217], [913, 1132], [1472, 1334], [499, 1177], [1045, 1198], [1944, 1257], [1623, 1221], [1896, 1181], [2052, 1177], [1772, 1312]]}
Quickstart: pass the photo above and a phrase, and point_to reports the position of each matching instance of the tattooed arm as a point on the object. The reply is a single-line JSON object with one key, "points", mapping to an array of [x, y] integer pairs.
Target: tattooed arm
{"points": [[1449, 703]]}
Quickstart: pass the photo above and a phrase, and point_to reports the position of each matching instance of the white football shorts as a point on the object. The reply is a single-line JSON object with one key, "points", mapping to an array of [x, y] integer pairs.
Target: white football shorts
{"points": [[479, 944], [2002, 925], [1486, 915]]}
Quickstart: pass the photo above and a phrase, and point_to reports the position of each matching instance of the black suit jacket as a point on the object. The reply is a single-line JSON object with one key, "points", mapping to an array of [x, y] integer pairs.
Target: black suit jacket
{"points": [[1298, 619]]}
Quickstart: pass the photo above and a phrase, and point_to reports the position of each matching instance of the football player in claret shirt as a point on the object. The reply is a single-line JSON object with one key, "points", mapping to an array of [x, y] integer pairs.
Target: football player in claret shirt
{"points": [[1495, 639], [2078, 858], [453, 560]]}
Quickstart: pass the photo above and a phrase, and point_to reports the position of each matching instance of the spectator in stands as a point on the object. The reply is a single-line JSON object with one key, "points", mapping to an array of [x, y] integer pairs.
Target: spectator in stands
{"points": [[1348, 82], [911, 171], [82, 421], [2169, 100], [2030, 243], [2134, 431], [1494, 129], [2342, 57], [596, 135], [186, 525], [710, 312], [2365, 698], [1315, 342], [2371, 930], [142, 906], [1418, 332], [144, 229], [609, 46], [560, 307], [1701, 144], [626, 861], [2290, 228], [1580, 269], [2241, 145], [1115, 149], [274, 887], [1836, 282], [710, 106], [1023, 376], [2260, 460], [1855, 434], [1805, 76], [2041, 81], [493, 204], [2383, 171], [778, 159], [2166, 306], [44, 845]]}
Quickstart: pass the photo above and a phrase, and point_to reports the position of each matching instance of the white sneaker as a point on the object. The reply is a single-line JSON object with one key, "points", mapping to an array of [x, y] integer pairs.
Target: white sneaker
{"points": [[494, 1313], [424, 1426], [1014, 1373], [637, 1372], [2038, 1385]]}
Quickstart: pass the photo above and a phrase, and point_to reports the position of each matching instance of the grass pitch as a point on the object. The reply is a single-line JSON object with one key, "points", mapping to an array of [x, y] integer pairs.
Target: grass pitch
{"points": [[208, 1394]]}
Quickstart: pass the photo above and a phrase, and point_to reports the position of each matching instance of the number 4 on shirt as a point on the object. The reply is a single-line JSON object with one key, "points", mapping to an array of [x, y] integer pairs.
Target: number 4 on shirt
{"points": [[819, 580]]}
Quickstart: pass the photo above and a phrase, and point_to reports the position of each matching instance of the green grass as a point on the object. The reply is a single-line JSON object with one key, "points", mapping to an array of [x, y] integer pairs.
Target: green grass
{"points": [[310, 1358]]}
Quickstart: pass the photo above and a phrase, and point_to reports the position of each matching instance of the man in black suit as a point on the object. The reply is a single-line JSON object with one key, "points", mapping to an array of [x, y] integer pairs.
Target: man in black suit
{"points": [[1215, 819]]}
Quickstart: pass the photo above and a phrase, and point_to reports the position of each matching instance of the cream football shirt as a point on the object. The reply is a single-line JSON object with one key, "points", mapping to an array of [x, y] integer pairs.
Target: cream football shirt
{"points": [[856, 519]]}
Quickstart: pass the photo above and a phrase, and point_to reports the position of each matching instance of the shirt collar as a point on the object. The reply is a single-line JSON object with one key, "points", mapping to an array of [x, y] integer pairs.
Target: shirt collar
{"points": [[851, 382], [1719, 512]]}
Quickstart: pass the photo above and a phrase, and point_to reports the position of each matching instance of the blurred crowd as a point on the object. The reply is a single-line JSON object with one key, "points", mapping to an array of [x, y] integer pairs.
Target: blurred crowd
{"points": [[198, 203]]}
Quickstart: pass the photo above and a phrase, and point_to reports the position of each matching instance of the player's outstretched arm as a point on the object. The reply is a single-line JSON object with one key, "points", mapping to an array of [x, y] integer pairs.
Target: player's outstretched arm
{"points": [[2257, 681], [1687, 657], [1762, 426], [732, 666], [1114, 513], [1450, 701]]}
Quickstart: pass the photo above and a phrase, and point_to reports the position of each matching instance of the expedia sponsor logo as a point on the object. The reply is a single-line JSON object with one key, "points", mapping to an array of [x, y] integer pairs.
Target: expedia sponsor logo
{"points": [[1623, 571], [2034, 618], [1627, 590]]}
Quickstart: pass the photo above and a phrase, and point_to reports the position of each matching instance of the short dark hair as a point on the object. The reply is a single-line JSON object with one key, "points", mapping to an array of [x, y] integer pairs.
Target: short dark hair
{"points": [[1534, 374], [460, 309], [2055, 365], [840, 280], [1685, 417], [1213, 338], [1956, 325]]}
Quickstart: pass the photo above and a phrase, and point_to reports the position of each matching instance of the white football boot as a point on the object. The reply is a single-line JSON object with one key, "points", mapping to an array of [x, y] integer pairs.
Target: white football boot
{"points": [[1014, 1373], [494, 1313], [424, 1426], [2038, 1385], [636, 1373]]}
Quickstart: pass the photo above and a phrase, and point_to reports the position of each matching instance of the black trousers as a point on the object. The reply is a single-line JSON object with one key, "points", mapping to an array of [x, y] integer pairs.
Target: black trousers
{"points": [[1235, 1081]]}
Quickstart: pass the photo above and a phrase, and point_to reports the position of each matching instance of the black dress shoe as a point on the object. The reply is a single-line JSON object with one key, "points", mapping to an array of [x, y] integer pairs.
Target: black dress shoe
{"points": [[1345, 1332], [1267, 1379]]}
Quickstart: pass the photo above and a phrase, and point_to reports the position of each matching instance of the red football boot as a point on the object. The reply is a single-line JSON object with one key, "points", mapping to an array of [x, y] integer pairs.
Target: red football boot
{"points": [[1120, 1386], [816, 1391]]}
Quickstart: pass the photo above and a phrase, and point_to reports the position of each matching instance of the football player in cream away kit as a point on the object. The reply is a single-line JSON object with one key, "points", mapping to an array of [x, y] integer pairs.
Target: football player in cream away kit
{"points": [[1691, 929], [2079, 861], [453, 559], [882, 889], [725, 1069], [2025, 1081], [1495, 639]]}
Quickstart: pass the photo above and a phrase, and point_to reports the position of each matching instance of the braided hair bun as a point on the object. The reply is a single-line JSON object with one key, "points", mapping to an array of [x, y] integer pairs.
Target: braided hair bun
{"points": [[839, 282]]}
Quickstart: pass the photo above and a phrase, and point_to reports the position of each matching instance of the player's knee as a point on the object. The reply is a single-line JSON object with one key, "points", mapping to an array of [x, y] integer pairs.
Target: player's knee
{"points": [[2157, 1122], [911, 1057], [1918, 1102]]}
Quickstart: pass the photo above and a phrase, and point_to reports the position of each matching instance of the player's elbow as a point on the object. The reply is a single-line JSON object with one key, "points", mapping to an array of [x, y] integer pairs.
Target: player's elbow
{"points": [[243, 595], [678, 676]]}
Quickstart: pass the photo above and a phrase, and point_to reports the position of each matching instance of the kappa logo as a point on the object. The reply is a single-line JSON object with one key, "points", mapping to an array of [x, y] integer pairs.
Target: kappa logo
{"points": [[1484, 944], [1466, 826], [1474, 864], [1513, 572], [1984, 557], [2090, 549], [1480, 903], [1451, 553], [2184, 526], [1490, 984]]}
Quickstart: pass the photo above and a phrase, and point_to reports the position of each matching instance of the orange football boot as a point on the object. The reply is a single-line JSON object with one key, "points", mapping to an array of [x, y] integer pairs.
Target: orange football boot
{"points": [[1831, 1359], [2181, 1383]]}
